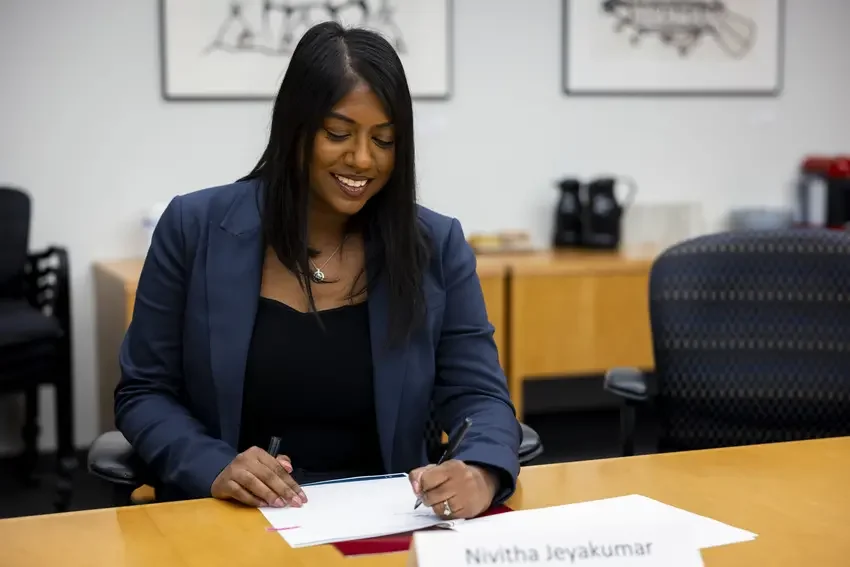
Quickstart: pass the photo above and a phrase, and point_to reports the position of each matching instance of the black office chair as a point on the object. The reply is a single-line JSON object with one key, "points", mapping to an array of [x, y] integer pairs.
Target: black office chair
{"points": [[111, 458], [751, 333], [35, 335]]}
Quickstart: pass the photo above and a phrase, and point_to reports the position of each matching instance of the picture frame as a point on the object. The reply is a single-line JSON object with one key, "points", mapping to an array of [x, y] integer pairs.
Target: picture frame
{"points": [[238, 50], [673, 47]]}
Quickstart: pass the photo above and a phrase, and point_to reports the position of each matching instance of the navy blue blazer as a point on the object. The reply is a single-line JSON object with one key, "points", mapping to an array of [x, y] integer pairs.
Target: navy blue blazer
{"points": [[182, 361]]}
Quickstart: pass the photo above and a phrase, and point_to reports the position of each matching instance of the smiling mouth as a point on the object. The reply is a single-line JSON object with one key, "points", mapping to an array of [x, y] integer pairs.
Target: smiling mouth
{"points": [[351, 187]]}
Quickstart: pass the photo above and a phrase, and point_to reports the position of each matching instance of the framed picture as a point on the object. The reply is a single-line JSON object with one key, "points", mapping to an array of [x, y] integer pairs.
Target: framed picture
{"points": [[239, 49], [673, 47]]}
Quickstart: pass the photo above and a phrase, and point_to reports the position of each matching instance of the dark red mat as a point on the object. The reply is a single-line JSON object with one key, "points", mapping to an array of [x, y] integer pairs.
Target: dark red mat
{"points": [[392, 543]]}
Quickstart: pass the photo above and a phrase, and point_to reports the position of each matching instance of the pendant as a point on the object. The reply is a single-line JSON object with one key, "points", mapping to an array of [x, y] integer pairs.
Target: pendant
{"points": [[318, 276]]}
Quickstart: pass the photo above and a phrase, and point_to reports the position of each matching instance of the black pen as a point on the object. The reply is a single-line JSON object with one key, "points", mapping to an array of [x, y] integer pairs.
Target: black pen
{"points": [[451, 449], [274, 446]]}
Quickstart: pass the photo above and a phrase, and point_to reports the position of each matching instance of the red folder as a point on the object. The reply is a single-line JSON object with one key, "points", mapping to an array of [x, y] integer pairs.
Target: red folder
{"points": [[392, 543]]}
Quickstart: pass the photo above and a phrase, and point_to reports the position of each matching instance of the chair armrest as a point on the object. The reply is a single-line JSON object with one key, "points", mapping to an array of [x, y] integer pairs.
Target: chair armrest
{"points": [[627, 383], [111, 458], [530, 446]]}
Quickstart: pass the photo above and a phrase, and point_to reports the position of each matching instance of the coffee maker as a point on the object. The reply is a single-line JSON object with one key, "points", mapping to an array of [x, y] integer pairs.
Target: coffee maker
{"points": [[590, 215], [568, 215]]}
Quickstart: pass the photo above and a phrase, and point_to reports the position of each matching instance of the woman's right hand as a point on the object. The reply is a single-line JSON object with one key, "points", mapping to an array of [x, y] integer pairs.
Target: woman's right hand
{"points": [[257, 479]]}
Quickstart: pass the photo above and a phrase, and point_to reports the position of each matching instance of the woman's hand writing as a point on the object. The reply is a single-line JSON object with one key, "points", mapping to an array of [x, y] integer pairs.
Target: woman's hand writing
{"points": [[256, 478], [467, 489]]}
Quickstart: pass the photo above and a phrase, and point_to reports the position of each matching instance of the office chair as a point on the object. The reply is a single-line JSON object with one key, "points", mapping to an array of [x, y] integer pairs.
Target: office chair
{"points": [[751, 334], [111, 458], [35, 335]]}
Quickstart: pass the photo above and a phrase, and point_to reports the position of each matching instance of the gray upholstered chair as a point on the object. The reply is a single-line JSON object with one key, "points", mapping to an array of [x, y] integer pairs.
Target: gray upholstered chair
{"points": [[751, 333]]}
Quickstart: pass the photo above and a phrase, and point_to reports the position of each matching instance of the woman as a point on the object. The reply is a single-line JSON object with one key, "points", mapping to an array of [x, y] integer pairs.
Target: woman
{"points": [[314, 301]]}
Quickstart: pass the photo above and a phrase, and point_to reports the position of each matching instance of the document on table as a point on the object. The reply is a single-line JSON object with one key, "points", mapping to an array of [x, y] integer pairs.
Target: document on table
{"points": [[621, 511], [353, 508]]}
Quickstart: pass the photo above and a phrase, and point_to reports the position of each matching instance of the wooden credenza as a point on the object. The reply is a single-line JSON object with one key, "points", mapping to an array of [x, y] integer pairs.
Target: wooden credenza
{"points": [[115, 296], [576, 313], [556, 314]]}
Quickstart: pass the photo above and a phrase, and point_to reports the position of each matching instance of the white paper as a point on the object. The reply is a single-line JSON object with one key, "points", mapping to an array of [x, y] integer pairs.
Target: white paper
{"points": [[634, 509], [350, 509]]}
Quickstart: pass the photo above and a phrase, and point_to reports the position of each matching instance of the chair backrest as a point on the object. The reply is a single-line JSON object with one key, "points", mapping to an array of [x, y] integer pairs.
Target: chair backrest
{"points": [[751, 332], [14, 234]]}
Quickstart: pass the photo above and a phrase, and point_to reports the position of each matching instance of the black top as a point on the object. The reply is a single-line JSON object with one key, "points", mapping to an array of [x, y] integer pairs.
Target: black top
{"points": [[312, 387]]}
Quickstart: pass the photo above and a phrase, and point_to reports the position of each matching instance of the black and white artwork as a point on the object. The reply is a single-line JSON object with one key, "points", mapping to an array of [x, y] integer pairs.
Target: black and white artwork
{"points": [[673, 46], [239, 49]]}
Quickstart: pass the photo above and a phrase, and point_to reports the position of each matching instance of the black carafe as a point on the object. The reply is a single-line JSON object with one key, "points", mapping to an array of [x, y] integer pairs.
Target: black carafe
{"points": [[568, 215], [602, 214]]}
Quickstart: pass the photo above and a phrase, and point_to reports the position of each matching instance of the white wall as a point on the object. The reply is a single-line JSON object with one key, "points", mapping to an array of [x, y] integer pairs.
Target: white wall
{"points": [[82, 126]]}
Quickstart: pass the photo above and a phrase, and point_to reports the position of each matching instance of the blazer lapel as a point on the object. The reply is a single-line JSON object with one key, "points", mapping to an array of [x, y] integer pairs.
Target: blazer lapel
{"points": [[390, 370], [234, 271]]}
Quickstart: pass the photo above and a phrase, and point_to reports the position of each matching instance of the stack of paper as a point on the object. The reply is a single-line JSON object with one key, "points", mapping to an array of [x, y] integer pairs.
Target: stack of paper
{"points": [[623, 511], [354, 508]]}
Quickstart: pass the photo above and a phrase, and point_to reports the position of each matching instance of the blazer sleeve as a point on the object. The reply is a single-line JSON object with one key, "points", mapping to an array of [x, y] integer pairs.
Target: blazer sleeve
{"points": [[470, 382], [148, 408]]}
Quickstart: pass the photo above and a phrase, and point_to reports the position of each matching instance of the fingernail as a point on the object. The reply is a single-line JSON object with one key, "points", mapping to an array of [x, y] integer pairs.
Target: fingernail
{"points": [[415, 487], [279, 503], [287, 466], [296, 502], [302, 496]]}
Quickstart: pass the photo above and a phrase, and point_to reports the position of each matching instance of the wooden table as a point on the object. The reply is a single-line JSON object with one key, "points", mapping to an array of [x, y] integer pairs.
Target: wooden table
{"points": [[795, 496]]}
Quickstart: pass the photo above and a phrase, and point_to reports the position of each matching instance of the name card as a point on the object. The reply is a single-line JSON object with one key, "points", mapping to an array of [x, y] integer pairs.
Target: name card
{"points": [[654, 546]]}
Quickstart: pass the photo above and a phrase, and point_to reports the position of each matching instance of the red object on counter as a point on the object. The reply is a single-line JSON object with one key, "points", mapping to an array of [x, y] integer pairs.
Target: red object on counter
{"points": [[823, 192], [839, 168], [816, 164]]}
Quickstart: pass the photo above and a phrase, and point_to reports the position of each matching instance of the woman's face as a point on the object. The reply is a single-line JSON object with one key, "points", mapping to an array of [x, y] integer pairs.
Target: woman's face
{"points": [[353, 153]]}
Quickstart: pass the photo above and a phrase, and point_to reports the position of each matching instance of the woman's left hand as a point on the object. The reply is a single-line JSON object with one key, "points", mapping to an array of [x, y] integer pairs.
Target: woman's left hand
{"points": [[454, 489]]}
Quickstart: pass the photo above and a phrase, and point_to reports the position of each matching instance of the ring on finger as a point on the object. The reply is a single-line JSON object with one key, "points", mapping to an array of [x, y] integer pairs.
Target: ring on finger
{"points": [[447, 509]]}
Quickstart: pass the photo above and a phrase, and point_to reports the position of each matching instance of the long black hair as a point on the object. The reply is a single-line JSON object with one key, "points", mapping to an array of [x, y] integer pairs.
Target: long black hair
{"points": [[328, 62]]}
